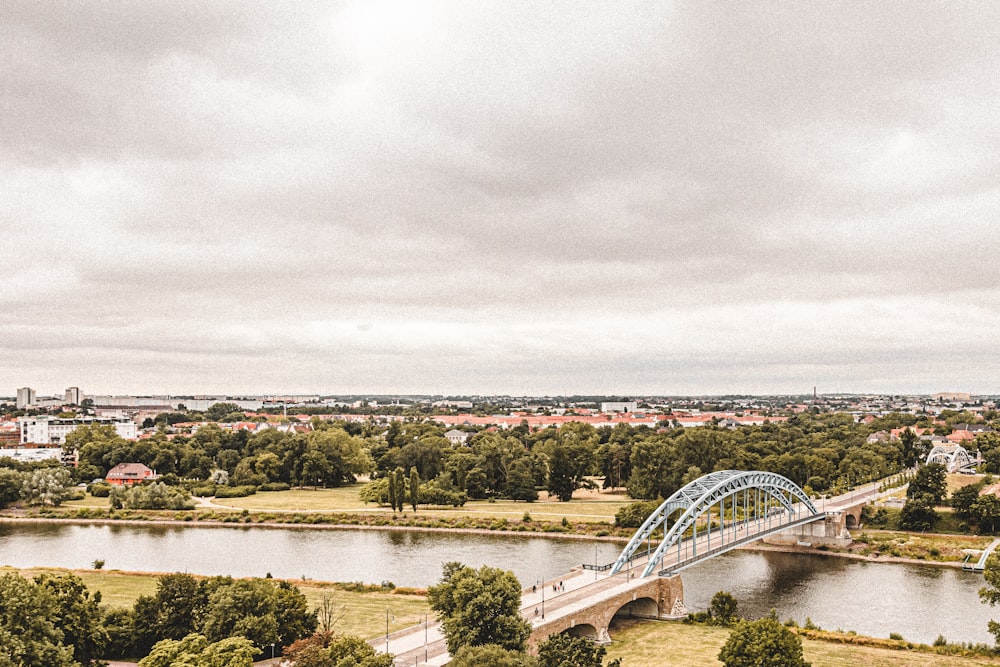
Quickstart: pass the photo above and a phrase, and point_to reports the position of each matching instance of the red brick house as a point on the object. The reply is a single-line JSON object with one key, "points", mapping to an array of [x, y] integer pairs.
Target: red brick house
{"points": [[128, 474]]}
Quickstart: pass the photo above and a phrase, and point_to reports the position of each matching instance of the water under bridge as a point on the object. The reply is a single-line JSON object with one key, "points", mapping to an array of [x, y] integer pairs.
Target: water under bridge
{"points": [[709, 516]]}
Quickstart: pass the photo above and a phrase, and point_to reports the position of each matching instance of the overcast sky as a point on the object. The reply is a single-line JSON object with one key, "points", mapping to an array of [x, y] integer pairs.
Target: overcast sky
{"points": [[499, 197]]}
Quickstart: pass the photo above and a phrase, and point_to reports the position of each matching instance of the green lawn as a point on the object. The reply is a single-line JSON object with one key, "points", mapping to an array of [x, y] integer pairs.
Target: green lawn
{"points": [[669, 644], [345, 499]]}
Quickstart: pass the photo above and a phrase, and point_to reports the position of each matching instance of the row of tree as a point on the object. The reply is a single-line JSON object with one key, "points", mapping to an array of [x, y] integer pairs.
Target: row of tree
{"points": [[824, 453], [54, 620]]}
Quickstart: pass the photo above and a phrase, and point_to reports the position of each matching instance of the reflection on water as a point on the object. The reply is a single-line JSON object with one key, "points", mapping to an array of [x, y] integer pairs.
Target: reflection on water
{"points": [[919, 602]]}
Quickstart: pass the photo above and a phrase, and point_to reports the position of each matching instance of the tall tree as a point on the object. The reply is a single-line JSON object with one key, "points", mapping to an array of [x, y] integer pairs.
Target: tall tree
{"points": [[78, 616], [28, 631], [414, 488], [479, 607], [932, 480], [762, 643], [565, 651]]}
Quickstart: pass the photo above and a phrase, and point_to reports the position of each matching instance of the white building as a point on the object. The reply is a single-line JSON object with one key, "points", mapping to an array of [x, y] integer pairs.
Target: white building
{"points": [[73, 396], [32, 455], [25, 397], [53, 431], [619, 406]]}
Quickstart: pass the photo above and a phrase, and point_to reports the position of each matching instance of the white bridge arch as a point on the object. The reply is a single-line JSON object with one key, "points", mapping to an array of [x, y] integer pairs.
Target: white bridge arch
{"points": [[759, 503], [952, 457]]}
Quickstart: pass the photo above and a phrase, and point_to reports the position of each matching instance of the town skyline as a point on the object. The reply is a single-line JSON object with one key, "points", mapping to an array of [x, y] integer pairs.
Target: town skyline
{"points": [[527, 199]]}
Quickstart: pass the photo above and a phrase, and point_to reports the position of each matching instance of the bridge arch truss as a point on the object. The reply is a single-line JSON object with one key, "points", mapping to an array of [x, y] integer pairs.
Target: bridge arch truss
{"points": [[737, 506], [952, 457]]}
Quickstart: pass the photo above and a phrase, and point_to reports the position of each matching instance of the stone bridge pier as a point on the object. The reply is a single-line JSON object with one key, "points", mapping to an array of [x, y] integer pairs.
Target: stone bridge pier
{"points": [[833, 530], [653, 598]]}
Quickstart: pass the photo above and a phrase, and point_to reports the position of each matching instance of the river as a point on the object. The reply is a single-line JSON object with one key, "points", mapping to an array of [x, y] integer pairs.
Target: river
{"points": [[919, 602]]}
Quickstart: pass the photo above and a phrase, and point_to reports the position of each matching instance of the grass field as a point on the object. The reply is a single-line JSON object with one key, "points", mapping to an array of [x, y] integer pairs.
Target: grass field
{"points": [[680, 645], [587, 507], [361, 614]]}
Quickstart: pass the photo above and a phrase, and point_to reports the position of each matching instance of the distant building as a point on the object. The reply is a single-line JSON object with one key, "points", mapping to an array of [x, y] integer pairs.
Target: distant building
{"points": [[73, 396], [25, 397], [53, 430], [126, 474], [457, 437], [952, 396], [458, 405], [619, 406], [32, 454]]}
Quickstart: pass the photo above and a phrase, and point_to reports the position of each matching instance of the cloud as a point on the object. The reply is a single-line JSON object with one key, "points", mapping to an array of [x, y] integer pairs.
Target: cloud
{"points": [[379, 196]]}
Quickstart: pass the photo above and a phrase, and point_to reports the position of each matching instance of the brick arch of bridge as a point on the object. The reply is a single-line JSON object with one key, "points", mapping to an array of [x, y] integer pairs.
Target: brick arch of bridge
{"points": [[652, 599], [851, 516]]}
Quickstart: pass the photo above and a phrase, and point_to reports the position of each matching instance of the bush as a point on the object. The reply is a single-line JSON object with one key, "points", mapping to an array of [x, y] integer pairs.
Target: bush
{"points": [[156, 496], [634, 514], [99, 490], [235, 491], [274, 486], [433, 494]]}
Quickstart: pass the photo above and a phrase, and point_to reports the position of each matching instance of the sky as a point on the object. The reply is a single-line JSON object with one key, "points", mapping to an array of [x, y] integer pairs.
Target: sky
{"points": [[544, 197]]}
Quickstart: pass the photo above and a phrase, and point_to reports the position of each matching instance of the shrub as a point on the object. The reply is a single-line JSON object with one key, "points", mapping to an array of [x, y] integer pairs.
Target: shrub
{"points": [[634, 514], [155, 496], [274, 486], [99, 490], [235, 491]]}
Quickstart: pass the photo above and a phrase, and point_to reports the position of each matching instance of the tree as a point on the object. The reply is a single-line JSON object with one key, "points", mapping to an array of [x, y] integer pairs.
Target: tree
{"points": [[565, 651], [10, 486], [324, 649], [155, 496], [964, 498], [722, 608], [172, 613], [399, 489], [195, 651], [561, 474], [986, 509], [78, 616], [414, 488], [218, 411], [932, 480], [28, 631], [479, 607], [762, 643], [990, 594], [918, 514], [46, 486], [259, 609], [491, 655]]}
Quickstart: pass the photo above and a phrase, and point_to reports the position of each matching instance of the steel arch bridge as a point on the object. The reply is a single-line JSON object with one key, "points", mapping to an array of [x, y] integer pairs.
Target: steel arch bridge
{"points": [[952, 457], [748, 505]]}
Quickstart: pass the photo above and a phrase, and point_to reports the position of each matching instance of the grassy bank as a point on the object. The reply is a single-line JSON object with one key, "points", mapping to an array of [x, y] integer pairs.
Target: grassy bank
{"points": [[586, 507], [662, 644], [361, 613]]}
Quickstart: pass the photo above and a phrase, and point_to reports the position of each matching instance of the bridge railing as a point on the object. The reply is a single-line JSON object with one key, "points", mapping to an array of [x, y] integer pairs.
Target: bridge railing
{"points": [[598, 568], [728, 546]]}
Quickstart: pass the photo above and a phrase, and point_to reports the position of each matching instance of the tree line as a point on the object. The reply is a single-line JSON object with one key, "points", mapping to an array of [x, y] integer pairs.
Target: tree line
{"points": [[54, 620], [824, 453]]}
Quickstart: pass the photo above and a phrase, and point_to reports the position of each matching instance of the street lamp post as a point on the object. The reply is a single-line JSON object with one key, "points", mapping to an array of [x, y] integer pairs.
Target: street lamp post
{"points": [[386, 629], [272, 650], [425, 637]]}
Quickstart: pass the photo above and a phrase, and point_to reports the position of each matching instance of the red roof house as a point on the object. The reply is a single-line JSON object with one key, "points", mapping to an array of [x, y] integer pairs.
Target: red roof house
{"points": [[128, 474]]}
